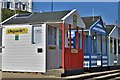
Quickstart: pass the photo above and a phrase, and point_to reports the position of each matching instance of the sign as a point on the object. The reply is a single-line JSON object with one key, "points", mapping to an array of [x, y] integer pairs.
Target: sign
{"points": [[74, 50], [52, 47], [98, 27], [16, 30], [75, 20]]}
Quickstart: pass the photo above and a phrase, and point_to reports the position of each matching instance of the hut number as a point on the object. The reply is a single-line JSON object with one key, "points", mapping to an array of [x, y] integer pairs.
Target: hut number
{"points": [[74, 51]]}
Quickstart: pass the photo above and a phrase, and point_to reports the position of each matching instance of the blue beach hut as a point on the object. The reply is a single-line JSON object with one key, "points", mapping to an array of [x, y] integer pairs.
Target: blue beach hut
{"points": [[95, 44]]}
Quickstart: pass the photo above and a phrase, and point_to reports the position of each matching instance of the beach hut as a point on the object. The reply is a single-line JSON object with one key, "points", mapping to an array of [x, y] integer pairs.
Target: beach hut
{"points": [[95, 44], [38, 42], [114, 47]]}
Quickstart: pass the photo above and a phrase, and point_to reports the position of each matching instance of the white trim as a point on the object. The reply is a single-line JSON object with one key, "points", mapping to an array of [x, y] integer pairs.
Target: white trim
{"points": [[93, 57], [71, 12], [8, 19], [93, 62], [87, 57], [112, 30], [104, 61], [104, 65], [94, 24]]}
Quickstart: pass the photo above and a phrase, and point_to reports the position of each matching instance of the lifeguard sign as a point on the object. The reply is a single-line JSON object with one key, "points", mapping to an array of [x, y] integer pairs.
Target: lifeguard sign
{"points": [[72, 58], [16, 31]]}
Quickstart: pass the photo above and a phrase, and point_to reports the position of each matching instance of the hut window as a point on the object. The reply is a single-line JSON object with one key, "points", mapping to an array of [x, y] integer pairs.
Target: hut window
{"points": [[115, 51], [119, 47], [51, 35], [111, 50], [60, 39], [37, 34], [16, 37]]}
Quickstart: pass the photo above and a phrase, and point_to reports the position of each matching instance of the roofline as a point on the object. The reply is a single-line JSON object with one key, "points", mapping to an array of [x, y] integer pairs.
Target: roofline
{"points": [[8, 19], [36, 23], [94, 24], [70, 13], [112, 30]]}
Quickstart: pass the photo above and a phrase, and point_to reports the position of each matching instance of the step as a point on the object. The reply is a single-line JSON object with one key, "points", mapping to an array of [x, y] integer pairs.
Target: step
{"points": [[54, 72], [116, 78], [108, 76], [90, 75]]}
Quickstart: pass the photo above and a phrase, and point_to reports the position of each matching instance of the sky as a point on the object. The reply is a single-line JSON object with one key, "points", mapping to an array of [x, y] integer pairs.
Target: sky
{"points": [[108, 10]]}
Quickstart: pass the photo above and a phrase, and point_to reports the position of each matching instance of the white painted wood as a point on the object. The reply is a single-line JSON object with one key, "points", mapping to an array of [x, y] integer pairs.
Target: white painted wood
{"points": [[108, 51], [117, 49], [22, 55], [114, 33], [0, 61], [68, 19], [111, 59]]}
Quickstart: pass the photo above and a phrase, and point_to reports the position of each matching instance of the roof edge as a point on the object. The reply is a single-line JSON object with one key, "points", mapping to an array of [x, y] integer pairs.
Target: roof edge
{"points": [[113, 30], [71, 12], [8, 19]]}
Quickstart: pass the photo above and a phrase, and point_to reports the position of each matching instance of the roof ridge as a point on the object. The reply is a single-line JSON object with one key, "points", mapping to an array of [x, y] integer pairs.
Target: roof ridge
{"points": [[52, 12]]}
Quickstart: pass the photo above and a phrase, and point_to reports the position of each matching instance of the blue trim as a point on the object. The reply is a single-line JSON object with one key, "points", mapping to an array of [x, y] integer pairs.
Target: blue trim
{"points": [[98, 27]]}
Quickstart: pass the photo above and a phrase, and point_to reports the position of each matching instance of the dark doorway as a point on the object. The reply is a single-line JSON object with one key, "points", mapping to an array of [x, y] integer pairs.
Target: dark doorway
{"points": [[115, 47]]}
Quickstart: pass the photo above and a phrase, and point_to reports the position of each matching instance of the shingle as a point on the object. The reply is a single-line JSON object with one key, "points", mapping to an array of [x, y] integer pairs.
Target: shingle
{"points": [[39, 18], [109, 28], [89, 21]]}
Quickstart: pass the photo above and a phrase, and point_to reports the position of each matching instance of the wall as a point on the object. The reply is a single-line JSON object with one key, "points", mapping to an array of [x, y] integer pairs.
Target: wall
{"points": [[114, 34], [22, 55]]}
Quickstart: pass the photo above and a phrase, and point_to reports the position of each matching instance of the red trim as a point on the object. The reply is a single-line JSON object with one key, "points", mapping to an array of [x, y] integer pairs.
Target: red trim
{"points": [[77, 37], [82, 39], [63, 46]]}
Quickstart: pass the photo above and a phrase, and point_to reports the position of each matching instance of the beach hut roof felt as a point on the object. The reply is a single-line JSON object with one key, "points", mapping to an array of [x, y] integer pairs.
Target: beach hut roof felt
{"points": [[89, 21], [109, 28], [38, 17]]}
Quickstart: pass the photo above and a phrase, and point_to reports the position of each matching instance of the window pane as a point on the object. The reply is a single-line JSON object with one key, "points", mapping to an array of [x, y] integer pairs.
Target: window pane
{"points": [[60, 39], [111, 46], [119, 47], [37, 35], [51, 35], [16, 37]]}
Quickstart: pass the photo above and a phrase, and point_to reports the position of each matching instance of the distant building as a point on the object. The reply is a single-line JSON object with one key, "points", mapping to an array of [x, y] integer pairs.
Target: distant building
{"points": [[24, 5]]}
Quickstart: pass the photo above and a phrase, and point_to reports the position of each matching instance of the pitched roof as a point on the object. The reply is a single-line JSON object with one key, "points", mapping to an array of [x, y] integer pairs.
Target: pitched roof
{"points": [[38, 17], [109, 28], [89, 20]]}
